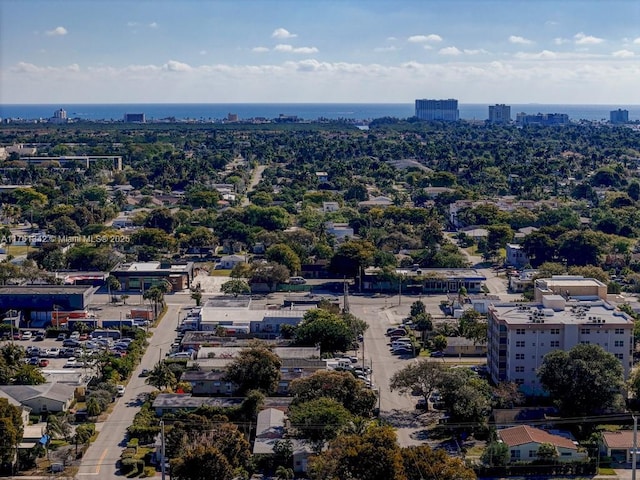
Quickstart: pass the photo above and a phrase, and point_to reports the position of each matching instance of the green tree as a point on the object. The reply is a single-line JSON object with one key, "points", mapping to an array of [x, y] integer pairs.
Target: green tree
{"points": [[161, 376], [351, 257], [471, 325], [58, 426], [424, 463], [467, 397], [340, 386], [373, 455], [113, 284], [547, 452], [585, 380], [270, 273], [319, 420], [440, 343], [319, 327], [284, 255], [197, 296], [235, 287], [201, 462], [417, 308], [11, 430], [28, 375], [423, 376], [496, 454], [255, 368]]}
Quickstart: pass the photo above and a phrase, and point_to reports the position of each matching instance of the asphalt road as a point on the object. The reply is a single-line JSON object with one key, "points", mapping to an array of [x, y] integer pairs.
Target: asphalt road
{"points": [[100, 460]]}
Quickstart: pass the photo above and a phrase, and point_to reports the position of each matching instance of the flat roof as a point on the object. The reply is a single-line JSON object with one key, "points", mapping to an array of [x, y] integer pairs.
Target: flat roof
{"points": [[597, 313], [569, 281], [153, 267], [44, 289]]}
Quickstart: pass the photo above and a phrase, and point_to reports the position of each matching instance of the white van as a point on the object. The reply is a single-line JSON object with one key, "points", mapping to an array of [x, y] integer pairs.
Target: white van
{"points": [[297, 281]]}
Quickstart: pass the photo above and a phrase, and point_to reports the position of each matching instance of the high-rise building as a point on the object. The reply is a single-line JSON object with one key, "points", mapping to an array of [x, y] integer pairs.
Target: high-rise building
{"points": [[134, 118], [500, 114], [438, 110], [619, 116], [59, 116], [546, 119]]}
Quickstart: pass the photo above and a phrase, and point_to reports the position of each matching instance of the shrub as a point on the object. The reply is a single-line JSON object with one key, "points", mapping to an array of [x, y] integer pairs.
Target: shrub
{"points": [[148, 472], [128, 466]]}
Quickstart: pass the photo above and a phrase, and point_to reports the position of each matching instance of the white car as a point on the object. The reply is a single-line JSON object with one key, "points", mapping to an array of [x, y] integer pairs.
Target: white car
{"points": [[120, 390], [71, 362], [52, 352], [27, 335]]}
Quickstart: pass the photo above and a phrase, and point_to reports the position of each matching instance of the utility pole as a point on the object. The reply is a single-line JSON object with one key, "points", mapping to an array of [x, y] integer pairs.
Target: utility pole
{"points": [[162, 448], [635, 447]]}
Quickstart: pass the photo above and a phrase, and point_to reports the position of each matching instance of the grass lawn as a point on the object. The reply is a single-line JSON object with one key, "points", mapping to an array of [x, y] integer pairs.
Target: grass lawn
{"points": [[606, 471], [219, 273], [17, 250]]}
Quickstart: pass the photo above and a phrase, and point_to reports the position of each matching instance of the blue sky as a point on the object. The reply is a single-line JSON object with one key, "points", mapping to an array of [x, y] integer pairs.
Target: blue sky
{"points": [[478, 51]]}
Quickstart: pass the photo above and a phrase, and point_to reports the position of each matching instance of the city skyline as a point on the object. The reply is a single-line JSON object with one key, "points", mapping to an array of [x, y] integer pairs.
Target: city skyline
{"points": [[582, 52]]}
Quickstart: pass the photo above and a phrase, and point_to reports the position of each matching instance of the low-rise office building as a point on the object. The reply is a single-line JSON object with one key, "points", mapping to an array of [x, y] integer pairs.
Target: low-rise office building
{"points": [[570, 286], [141, 276]]}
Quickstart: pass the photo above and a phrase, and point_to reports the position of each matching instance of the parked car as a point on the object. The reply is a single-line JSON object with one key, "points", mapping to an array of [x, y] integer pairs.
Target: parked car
{"points": [[53, 352], [43, 362], [33, 361], [422, 404], [39, 337], [71, 362], [145, 372], [437, 354], [61, 337], [75, 335], [297, 281], [120, 390], [67, 352], [27, 335], [70, 342], [17, 336], [83, 337]]}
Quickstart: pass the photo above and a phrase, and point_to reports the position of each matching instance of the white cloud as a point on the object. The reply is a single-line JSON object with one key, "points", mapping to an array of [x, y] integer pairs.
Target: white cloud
{"points": [[153, 25], [452, 51], [477, 51], [551, 23], [543, 55], [259, 49], [391, 48], [623, 54], [57, 32], [519, 40], [637, 41], [582, 39], [175, 66], [561, 41], [392, 39], [433, 38], [283, 33], [132, 24], [291, 49]]}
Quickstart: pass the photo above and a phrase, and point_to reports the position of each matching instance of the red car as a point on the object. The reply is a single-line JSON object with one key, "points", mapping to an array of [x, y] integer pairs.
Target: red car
{"points": [[43, 362], [17, 336], [83, 337]]}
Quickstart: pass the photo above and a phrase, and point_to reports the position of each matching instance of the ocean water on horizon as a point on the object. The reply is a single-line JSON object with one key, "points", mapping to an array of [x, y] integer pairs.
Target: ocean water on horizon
{"points": [[307, 111]]}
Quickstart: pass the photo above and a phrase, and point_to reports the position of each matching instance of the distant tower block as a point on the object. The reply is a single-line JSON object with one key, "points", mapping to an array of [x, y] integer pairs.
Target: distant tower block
{"points": [[134, 118]]}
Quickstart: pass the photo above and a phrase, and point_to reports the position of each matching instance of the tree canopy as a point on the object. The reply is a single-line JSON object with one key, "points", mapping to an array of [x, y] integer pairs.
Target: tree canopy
{"points": [[585, 380]]}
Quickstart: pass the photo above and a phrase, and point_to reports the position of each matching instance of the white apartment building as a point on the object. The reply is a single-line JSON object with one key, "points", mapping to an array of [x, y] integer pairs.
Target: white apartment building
{"points": [[520, 335]]}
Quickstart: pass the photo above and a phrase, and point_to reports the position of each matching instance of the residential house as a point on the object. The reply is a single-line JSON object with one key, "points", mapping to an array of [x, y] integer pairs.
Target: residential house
{"points": [[379, 201], [341, 231], [516, 256], [229, 261], [524, 441], [328, 207], [322, 177], [45, 398], [617, 445], [461, 347]]}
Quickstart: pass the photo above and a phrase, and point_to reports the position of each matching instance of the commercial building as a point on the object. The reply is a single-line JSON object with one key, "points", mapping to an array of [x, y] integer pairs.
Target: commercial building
{"points": [[499, 114], [619, 116], [570, 286], [545, 119], [134, 118], [438, 110], [141, 276], [416, 280], [520, 335]]}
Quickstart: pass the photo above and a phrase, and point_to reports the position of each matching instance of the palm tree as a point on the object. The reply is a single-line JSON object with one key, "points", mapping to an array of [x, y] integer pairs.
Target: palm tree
{"points": [[161, 377], [284, 473], [58, 427]]}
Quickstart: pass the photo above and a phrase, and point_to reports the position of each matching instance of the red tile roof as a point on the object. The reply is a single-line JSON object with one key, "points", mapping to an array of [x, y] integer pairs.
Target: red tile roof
{"points": [[524, 434], [621, 439]]}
